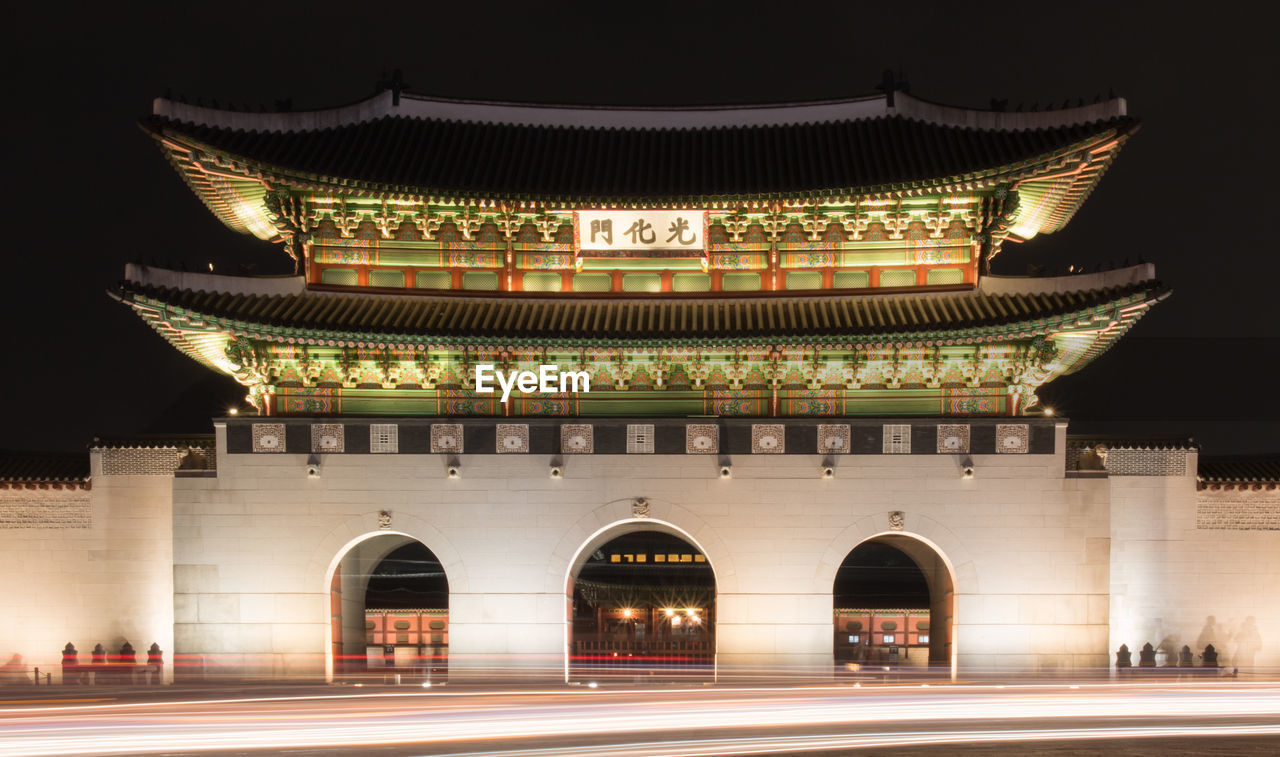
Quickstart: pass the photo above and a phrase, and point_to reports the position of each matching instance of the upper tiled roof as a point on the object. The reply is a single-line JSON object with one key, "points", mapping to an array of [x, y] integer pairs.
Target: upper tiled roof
{"points": [[447, 148], [43, 467]]}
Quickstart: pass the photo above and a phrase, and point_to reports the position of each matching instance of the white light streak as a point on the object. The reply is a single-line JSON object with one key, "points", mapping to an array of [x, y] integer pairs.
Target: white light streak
{"points": [[866, 717]]}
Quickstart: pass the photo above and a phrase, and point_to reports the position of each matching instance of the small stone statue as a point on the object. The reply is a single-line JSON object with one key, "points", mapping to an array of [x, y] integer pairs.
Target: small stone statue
{"points": [[1124, 658]]}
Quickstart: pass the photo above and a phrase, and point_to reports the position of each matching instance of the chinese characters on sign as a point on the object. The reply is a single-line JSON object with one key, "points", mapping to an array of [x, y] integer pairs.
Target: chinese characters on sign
{"points": [[641, 229]]}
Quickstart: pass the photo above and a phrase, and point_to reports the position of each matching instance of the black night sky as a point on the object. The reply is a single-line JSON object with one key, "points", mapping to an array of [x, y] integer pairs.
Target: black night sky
{"points": [[1194, 192]]}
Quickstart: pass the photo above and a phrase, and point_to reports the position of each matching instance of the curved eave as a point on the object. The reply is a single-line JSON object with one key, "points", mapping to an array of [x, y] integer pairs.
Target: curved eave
{"points": [[233, 197], [1082, 325], [1055, 197]]}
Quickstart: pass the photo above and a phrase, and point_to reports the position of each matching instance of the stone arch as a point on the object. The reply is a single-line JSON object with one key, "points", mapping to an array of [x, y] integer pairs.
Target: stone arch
{"points": [[941, 539], [925, 539], [336, 543], [343, 538], [617, 518]]}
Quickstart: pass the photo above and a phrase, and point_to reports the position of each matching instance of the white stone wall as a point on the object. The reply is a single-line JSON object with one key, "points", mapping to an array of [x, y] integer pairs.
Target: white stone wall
{"points": [[102, 576], [255, 549], [1173, 584]]}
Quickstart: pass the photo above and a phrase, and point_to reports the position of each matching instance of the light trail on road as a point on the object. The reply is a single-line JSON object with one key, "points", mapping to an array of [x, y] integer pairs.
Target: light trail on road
{"points": [[708, 721]]}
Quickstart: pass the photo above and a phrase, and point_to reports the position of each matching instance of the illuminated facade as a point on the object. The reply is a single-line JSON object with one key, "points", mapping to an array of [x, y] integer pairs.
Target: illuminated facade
{"points": [[794, 345]]}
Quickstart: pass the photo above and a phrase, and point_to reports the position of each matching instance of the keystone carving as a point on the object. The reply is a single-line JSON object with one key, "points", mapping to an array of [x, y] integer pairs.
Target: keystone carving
{"points": [[897, 520], [640, 507]]}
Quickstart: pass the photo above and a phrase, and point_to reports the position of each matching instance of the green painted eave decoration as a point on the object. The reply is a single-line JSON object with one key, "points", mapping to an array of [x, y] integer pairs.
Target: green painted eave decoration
{"points": [[181, 319]]}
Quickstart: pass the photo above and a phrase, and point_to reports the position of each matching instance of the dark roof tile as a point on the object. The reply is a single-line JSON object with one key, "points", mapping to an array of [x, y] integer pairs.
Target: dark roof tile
{"points": [[43, 467], [1252, 469]]}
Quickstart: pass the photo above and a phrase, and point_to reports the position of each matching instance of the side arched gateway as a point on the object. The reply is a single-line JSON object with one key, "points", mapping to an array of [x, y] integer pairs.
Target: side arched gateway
{"points": [[389, 609], [894, 606]]}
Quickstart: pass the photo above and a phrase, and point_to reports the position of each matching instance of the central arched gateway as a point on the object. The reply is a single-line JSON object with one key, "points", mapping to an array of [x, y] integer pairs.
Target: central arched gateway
{"points": [[894, 606], [641, 601]]}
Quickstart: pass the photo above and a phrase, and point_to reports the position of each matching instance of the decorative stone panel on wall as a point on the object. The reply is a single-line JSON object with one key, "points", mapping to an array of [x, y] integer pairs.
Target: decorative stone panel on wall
{"points": [[446, 437], [552, 436], [953, 439], [768, 439], [268, 437], [1012, 438], [25, 509], [1147, 462], [896, 439], [577, 439], [702, 438], [327, 437], [513, 438], [639, 438], [384, 438], [833, 438], [1238, 512]]}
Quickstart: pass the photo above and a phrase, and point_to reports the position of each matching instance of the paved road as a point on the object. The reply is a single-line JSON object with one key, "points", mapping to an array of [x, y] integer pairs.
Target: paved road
{"points": [[1053, 719]]}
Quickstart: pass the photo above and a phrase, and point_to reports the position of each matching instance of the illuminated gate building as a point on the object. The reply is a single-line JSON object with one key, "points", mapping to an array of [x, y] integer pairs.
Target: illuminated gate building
{"points": [[757, 340]]}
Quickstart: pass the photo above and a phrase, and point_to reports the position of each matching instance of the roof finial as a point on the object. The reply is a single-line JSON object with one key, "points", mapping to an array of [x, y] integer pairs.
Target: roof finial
{"points": [[396, 84], [889, 85]]}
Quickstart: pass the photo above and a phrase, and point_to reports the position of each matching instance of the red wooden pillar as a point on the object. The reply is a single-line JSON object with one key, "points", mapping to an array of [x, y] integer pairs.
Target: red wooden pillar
{"points": [[771, 281]]}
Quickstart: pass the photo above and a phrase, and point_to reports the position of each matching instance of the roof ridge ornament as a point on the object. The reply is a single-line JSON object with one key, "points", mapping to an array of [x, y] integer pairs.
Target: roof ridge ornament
{"points": [[395, 83], [889, 85]]}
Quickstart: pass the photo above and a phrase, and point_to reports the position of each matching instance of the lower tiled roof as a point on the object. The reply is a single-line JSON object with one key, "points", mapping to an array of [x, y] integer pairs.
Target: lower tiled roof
{"points": [[1262, 469], [1132, 442], [17, 467], [520, 316], [154, 441]]}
